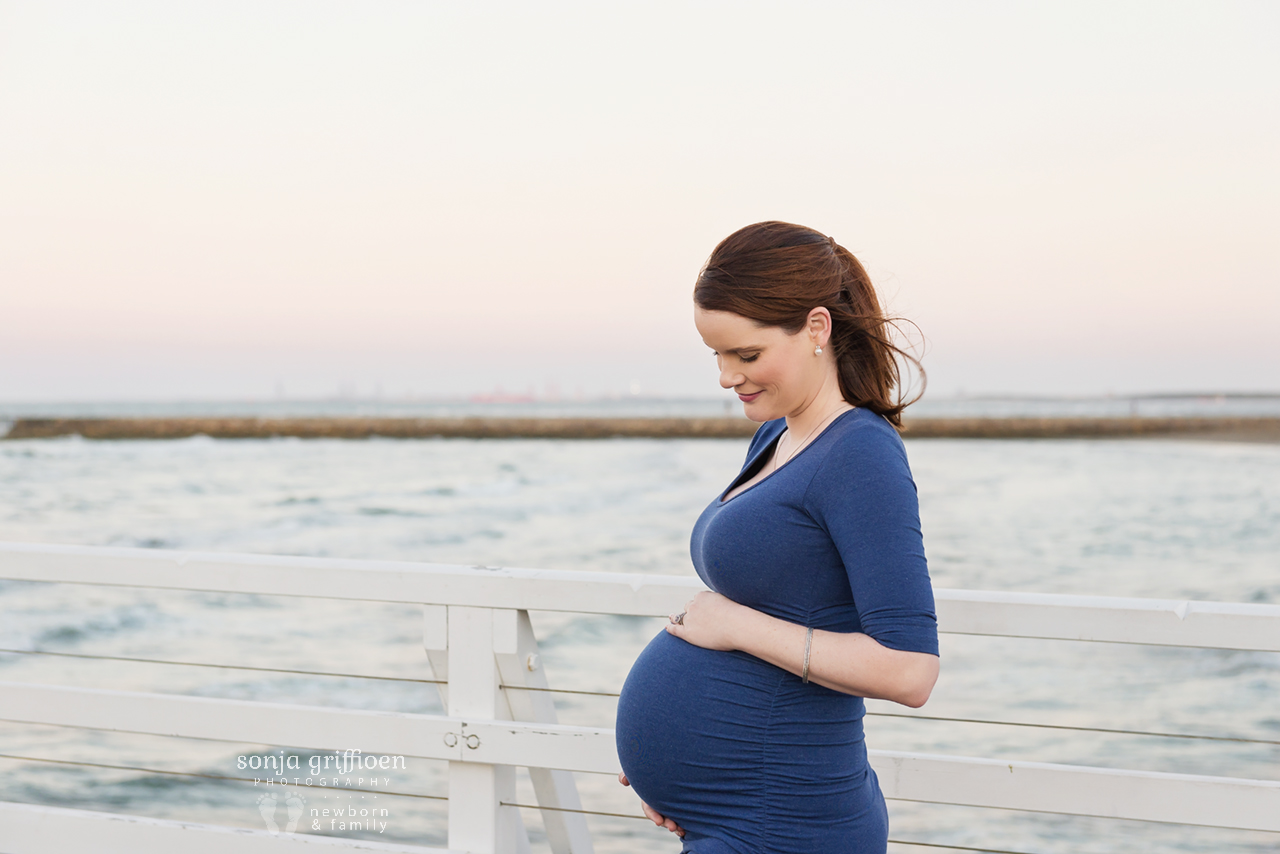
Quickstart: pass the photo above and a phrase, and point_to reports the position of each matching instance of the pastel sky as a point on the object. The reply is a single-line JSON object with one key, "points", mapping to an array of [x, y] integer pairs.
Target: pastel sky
{"points": [[234, 199]]}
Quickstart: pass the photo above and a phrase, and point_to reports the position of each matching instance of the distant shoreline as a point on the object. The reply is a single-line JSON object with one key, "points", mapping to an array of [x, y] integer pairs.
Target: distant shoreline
{"points": [[1254, 429]]}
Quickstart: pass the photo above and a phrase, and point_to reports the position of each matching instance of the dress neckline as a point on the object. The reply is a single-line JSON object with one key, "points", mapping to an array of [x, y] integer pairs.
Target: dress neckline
{"points": [[722, 501]]}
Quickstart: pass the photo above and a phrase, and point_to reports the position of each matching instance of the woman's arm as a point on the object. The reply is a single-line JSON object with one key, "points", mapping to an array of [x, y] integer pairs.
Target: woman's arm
{"points": [[852, 663]]}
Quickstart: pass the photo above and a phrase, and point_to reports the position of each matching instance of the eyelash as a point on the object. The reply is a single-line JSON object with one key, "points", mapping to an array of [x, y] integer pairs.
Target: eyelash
{"points": [[750, 358]]}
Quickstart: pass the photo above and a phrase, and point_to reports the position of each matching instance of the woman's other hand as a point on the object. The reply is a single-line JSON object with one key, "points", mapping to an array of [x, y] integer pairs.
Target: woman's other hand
{"points": [[709, 621], [654, 816]]}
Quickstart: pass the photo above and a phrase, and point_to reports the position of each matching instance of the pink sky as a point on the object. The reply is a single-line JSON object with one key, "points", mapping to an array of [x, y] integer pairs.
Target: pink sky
{"points": [[220, 199]]}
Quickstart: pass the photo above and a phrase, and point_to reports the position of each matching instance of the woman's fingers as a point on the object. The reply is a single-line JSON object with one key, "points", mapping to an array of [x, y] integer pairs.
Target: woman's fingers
{"points": [[709, 620], [653, 815], [661, 820], [675, 622], [658, 818], [678, 619]]}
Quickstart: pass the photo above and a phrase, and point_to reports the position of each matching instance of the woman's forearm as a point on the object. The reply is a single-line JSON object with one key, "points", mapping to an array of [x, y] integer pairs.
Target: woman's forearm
{"points": [[852, 663], [849, 662]]}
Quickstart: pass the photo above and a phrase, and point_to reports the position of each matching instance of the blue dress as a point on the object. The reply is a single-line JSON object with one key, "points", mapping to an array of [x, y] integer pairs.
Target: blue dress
{"points": [[743, 755]]}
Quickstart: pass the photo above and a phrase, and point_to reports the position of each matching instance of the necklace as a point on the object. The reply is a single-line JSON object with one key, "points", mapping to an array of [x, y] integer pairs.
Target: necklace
{"points": [[805, 440]]}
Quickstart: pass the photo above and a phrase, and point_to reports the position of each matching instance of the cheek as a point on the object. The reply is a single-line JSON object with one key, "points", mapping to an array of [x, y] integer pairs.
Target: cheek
{"points": [[784, 374], [778, 380], [765, 376]]}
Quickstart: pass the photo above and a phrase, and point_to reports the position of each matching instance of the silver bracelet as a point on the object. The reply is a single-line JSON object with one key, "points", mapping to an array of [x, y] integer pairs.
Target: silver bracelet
{"points": [[808, 645]]}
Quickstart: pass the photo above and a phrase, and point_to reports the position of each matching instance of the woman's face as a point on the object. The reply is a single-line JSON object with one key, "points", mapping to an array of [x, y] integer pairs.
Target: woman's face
{"points": [[774, 373]]}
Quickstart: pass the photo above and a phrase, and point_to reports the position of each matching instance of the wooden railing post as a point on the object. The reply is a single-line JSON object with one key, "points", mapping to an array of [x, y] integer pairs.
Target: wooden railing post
{"points": [[478, 823], [521, 668], [519, 665]]}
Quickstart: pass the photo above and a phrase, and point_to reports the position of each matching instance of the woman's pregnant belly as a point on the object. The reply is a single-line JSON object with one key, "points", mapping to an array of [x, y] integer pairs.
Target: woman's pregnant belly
{"points": [[736, 749]]}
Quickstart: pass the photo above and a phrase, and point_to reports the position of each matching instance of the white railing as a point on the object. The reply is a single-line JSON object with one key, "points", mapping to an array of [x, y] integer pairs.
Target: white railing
{"points": [[479, 640]]}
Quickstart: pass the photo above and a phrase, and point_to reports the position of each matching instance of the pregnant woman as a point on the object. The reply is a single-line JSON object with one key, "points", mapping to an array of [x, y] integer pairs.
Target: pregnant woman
{"points": [[740, 725]]}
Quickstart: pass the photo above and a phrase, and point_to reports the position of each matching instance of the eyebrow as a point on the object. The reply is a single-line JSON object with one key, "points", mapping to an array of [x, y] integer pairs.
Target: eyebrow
{"points": [[737, 350]]}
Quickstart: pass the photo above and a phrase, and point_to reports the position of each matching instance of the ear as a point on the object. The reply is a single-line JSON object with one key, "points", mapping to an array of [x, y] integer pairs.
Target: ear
{"points": [[818, 326]]}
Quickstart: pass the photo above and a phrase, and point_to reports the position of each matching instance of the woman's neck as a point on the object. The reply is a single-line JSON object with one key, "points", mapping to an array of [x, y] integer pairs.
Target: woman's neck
{"points": [[827, 400], [804, 425]]}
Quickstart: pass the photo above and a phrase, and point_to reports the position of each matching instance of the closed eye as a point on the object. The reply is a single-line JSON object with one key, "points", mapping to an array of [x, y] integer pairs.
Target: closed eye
{"points": [[741, 357]]}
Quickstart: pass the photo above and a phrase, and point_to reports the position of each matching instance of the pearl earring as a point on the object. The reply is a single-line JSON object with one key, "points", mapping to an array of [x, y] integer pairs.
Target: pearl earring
{"points": [[817, 351]]}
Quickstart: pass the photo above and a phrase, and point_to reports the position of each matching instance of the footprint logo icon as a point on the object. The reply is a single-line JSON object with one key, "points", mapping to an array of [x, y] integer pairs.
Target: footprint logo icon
{"points": [[267, 806], [294, 802]]}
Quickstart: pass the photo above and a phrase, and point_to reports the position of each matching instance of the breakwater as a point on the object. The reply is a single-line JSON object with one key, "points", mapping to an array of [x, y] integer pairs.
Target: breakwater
{"points": [[1259, 429]]}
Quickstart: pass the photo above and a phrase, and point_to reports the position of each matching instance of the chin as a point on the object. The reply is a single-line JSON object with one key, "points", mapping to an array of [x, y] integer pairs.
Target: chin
{"points": [[757, 413]]}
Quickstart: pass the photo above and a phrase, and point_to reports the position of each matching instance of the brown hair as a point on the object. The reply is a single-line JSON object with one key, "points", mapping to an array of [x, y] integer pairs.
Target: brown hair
{"points": [[775, 273]]}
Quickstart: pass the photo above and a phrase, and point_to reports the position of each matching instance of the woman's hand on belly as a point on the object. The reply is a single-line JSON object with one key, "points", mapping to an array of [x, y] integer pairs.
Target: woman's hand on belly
{"points": [[851, 663], [654, 816], [710, 621]]}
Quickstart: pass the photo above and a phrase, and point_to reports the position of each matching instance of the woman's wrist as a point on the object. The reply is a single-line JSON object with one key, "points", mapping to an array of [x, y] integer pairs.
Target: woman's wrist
{"points": [[757, 633], [743, 625]]}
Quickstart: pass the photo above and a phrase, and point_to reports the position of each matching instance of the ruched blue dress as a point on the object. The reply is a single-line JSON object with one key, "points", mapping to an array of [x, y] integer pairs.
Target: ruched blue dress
{"points": [[742, 754]]}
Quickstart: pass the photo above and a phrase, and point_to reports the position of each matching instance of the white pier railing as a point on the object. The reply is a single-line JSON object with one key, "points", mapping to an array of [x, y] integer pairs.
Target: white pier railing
{"points": [[480, 642]]}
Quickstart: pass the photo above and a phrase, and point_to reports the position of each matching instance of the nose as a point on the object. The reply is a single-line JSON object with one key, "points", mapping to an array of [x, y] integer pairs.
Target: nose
{"points": [[730, 378]]}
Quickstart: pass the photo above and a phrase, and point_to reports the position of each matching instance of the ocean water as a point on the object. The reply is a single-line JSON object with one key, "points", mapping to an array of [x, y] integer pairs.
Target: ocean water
{"points": [[1168, 519], [1207, 405]]}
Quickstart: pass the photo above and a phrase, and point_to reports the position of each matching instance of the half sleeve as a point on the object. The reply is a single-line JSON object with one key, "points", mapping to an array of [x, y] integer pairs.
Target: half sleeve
{"points": [[863, 495]]}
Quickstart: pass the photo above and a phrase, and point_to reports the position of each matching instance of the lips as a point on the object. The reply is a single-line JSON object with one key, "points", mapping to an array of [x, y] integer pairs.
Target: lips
{"points": [[747, 398]]}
